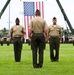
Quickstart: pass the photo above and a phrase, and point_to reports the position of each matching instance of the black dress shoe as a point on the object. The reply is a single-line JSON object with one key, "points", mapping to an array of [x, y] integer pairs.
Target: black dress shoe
{"points": [[52, 60], [39, 65], [56, 60], [17, 61], [36, 66]]}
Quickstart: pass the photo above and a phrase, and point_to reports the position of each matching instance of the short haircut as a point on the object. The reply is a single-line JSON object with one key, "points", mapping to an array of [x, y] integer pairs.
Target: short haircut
{"points": [[17, 19], [37, 12], [54, 18]]}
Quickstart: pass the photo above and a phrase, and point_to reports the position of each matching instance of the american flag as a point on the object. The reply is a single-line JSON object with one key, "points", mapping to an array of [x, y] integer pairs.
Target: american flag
{"points": [[29, 12]]}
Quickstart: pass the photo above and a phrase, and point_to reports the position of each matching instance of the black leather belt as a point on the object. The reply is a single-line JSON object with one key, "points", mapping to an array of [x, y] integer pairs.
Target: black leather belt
{"points": [[17, 36], [54, 36]]}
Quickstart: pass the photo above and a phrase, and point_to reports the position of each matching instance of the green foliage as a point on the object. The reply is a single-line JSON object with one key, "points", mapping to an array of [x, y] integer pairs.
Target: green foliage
{"points": [[4, 32], [8, 66]]}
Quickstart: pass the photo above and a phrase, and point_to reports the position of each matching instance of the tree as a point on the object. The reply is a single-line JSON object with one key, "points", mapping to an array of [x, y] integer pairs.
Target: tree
{"points": [[5, 32]]}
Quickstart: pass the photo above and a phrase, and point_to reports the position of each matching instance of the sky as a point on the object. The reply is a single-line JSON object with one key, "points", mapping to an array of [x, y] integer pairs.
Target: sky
{"points": [[51, 9]]}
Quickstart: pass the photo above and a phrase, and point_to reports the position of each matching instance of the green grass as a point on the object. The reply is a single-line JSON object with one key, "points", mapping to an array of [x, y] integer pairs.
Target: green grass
{"points": [[8, 66]]}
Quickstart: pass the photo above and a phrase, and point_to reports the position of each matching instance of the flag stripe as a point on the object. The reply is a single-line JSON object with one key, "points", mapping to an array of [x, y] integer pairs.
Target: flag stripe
{"points": [[39, 5], [27, 25], [36, 6], [42, 9], [25, 22]]}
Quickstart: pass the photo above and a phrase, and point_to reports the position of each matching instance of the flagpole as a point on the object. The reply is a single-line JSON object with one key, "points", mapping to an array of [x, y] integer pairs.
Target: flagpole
{"points": [[9, 20]]}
